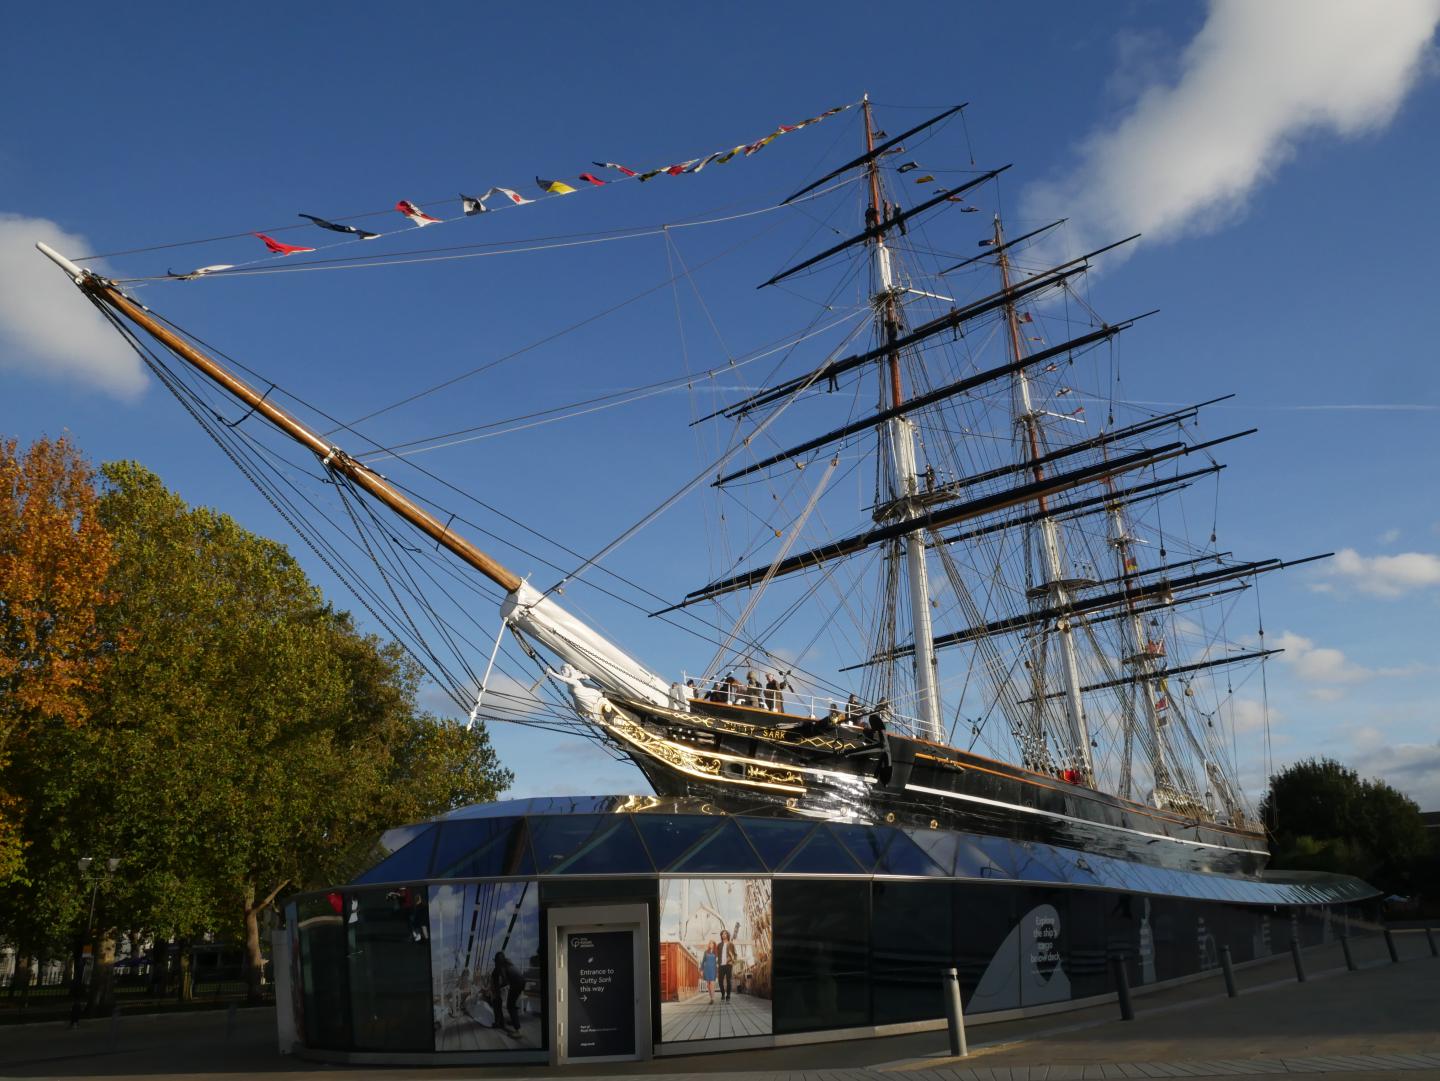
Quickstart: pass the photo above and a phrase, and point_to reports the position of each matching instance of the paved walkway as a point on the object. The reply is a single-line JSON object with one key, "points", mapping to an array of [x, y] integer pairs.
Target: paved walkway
{"points": [[1381, 1022]]}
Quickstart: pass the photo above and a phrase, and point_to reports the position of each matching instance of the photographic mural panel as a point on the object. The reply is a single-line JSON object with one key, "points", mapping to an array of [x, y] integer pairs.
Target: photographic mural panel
{"points": [[486, 967], [715, 958]]}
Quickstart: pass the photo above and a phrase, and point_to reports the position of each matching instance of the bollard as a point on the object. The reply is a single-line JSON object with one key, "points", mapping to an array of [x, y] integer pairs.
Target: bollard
{"points": [[1122, 988], [114, 1027], [1229, 970], [1349, 958], [1299, 964], [1430, 938], [1390, 945], [955, 1014], [231, 1013]]}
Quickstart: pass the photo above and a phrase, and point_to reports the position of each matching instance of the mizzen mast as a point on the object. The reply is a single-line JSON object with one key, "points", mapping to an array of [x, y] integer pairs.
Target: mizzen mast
{"points": [[900, 432]]}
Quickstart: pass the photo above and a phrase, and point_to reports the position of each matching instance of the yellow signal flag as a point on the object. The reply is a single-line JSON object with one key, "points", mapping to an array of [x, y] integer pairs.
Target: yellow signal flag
{"points": [[553, 187]]}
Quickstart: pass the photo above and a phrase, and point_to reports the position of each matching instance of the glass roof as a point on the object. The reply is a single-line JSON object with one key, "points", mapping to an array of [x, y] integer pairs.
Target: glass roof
{"points": [[618, 835]]}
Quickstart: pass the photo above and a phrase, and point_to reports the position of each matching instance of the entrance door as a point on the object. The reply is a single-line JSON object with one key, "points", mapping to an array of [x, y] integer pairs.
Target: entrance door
{"points": [[600, 997]]}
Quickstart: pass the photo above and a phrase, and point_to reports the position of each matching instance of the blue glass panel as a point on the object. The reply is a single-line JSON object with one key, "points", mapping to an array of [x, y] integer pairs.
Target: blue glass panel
{"points": [[939, 845], [696, 843], [903, 856], [982, 857], [866, 843], [1031, 865], [774, 838], [820, 854], [587, 845], [481, 848], [410, 862]]}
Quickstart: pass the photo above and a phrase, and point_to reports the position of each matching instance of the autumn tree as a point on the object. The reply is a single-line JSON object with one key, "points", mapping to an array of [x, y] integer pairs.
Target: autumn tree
{"points": [[54, 560]]}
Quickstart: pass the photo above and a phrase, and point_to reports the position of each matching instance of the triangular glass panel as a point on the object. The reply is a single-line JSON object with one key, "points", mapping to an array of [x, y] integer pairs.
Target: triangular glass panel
{"points": [[405, 864], [820, 854], [483, 847], [866, 843], [587, 845], [940, 846], [979, 856], [904, 857], [697, 843], [1032, 865], [774, 838]]}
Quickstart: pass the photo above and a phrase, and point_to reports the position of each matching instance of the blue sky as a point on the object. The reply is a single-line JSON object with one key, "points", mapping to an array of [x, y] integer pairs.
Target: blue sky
{"points": [[1288, 205]]}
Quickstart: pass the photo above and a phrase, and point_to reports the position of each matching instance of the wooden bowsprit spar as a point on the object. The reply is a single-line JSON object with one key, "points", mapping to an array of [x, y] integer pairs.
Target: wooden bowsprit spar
{"points": [[525, 608]]}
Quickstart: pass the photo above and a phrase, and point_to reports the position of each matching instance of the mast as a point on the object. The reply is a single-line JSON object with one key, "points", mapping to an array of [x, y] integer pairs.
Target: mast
{"points": [[1055, 582], [1144, 650], [901, 434]]}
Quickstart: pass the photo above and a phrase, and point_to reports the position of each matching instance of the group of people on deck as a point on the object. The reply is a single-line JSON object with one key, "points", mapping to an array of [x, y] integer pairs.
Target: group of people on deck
{"points": [[768, 695]]}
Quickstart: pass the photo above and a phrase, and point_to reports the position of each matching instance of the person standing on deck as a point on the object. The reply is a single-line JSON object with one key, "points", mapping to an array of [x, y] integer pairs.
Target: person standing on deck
{"points": [[708, 966], [772, 689], [726, 965]]}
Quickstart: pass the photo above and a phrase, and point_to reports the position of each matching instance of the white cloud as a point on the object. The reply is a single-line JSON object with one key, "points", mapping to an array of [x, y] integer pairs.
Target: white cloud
{"points": [[1390, 536], [1387, 576], [1249, 715], [1318, 664], [1256, 79], [1328, 671], [46, 327]]}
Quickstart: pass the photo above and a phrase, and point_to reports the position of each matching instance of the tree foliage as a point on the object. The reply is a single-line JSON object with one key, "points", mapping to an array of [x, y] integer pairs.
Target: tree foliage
{"points": [[54, 559], [1324, 817], [250, 740]]}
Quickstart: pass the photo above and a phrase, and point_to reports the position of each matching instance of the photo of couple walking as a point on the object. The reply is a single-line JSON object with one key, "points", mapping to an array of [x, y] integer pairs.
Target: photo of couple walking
{"points": [[714, 958]]}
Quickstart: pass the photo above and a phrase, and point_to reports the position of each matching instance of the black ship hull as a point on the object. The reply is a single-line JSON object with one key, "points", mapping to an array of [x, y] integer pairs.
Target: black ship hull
{"points": [[743, 760]]}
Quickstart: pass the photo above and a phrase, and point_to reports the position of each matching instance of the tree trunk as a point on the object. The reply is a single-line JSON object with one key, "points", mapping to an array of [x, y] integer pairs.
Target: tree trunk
{"points": [[159, 955], [102, 979], [254, 957], [185, 987]]}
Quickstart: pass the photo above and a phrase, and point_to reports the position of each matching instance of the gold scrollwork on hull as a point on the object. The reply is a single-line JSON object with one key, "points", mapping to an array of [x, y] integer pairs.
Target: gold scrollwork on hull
{"points": [[774, 735], [686, 760]]}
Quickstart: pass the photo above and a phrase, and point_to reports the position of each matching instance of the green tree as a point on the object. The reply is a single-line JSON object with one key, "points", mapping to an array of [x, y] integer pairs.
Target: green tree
{"points": [[247, 742], [1324, 817], [270, 742]]}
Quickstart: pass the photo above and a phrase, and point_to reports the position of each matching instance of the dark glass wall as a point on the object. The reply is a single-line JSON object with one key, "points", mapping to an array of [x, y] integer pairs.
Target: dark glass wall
{"points": [[388, 935], [324, 972], [822, 955]]}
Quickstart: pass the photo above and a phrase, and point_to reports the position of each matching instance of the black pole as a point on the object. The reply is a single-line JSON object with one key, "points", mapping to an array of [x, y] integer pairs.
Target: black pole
{"points": [[1122, 989], [1229, 970], [1430, 938], [1299, 963], [1349, 958], [1390, 945]]}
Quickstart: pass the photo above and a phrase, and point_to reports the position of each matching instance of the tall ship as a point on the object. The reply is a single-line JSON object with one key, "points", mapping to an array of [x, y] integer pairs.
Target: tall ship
{"points": [[955, 498]]}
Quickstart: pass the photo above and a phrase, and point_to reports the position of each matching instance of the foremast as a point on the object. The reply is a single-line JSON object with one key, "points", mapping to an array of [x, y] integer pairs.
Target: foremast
{"points": [[525, 609], [900, 434]]}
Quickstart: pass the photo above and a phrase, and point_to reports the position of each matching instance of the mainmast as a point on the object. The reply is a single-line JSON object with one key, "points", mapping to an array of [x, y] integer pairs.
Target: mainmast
{"points": [[900, 432], [1056, 586]]}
